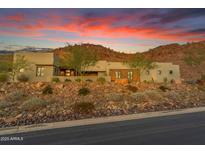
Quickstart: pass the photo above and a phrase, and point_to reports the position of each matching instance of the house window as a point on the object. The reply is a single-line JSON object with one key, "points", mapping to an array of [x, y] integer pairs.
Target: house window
{"points": [[130, 75], [67, 73], [159, 72], [170, 72], [40, 71], [117, 75]]}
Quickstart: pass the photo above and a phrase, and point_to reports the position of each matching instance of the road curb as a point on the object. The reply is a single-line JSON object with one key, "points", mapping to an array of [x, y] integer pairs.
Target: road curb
{"points": [[63, 124]]}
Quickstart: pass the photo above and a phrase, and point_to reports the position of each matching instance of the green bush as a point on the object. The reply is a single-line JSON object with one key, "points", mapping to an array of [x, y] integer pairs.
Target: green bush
{"points": [[83, 91], [165, 80], [33, 104], [89, 80], [145, 81], [164, 88], [139, 97], [202, 88], [4, 77], [5, 104], [47, 89], [101, 80], [203, 77], [67, 80], [22, 78], [15, 96], [78, 80], [84, 107], [132, 88], [154, 95], [172, 81], [55, 80]]}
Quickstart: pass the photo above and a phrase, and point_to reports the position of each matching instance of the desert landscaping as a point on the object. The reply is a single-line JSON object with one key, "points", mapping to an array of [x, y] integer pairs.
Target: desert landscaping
{"points": [[25, 103]]}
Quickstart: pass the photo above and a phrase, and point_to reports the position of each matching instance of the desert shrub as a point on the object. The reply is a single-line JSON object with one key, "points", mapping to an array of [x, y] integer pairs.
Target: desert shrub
{"points": [[67, 80], [203, 77], [22, 78], [33, 104], [139, 97], [165, 80], [172, 81], [191, 81], [15, 96], [4, 104], [84, 107], [83, 91], [164, 88], [202, 88], [55, 80], [132, 88], [89, 80], [78, 80], [4, 77], [101, 80], [117, 97], [154, 95], [47, 90]]}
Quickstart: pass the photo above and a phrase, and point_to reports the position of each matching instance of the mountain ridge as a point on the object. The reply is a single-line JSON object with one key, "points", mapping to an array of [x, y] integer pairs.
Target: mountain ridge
{"points": [[174, 53]]}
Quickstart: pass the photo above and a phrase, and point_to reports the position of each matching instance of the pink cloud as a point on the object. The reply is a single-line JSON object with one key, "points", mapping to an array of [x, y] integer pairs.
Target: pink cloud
{"points": [[96, 26], [17, 17]]}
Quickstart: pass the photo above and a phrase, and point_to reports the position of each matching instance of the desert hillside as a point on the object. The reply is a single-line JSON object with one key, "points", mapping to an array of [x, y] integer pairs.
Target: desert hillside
{"points": [[174, 53], [6, 57], [101, 52]]}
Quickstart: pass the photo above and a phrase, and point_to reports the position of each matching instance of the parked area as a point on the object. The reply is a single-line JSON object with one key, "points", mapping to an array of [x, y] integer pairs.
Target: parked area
{"points": [[24, 103]]}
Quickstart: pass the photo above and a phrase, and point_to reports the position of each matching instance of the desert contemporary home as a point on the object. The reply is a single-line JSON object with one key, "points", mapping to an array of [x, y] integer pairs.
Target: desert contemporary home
{"points": [[44, 68]]}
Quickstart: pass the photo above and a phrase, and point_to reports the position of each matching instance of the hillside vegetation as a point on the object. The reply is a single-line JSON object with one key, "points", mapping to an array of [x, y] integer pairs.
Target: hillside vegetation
{"points": [[6, 57], [100, 51], [180, 54], [184, 55], [174, 53]]}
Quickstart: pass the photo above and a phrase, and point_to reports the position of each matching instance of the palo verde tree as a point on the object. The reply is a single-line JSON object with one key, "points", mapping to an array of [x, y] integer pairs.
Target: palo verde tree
{"points": [[141, 63], [78, 58], [19, 65]]}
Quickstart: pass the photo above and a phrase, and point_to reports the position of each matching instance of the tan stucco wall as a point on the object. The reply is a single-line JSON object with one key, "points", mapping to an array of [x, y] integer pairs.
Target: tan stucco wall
{"points": [[35, 59], [103, 68], [164, 68], [46, 58]]}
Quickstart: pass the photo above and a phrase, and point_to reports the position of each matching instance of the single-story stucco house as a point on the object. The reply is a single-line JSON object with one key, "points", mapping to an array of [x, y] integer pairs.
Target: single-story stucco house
{"points": [[44, 68]]}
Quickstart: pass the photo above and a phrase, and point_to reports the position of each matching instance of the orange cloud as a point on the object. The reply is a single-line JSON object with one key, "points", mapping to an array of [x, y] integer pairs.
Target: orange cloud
{"points": [[21, 33], [17, 17], [101, 27]]}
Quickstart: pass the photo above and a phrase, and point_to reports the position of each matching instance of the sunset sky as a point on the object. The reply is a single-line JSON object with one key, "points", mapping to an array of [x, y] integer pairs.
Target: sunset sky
{"points": [[128, 30]]}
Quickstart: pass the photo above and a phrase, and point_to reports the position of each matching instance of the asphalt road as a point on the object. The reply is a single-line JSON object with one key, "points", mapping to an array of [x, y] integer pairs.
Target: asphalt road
{"points": [[171, 130]]}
